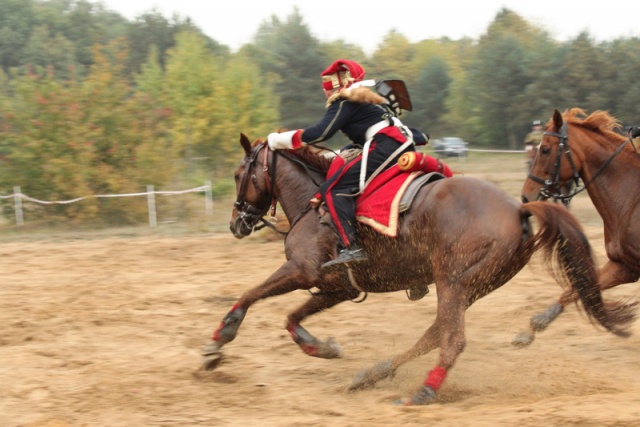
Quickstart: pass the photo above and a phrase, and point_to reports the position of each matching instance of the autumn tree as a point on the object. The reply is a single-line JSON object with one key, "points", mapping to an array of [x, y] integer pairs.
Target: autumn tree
{"points": [[213, 99], [83, 137]]}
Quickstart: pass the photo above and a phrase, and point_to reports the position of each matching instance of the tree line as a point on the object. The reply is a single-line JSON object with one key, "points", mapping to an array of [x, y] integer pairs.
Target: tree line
{"points": [[91, 103]]}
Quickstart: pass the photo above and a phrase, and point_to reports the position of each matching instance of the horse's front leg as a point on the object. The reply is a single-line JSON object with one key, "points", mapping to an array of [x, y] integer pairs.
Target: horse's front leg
{"points": [[308, 343], [286, 279]]}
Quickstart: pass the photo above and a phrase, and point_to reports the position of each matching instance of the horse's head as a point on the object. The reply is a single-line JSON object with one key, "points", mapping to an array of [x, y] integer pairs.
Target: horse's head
{"points": [[554, 166], [254, 192]]}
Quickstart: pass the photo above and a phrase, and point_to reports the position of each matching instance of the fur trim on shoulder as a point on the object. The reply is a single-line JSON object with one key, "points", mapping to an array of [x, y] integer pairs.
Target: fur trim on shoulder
{"points": [[361, 94]]}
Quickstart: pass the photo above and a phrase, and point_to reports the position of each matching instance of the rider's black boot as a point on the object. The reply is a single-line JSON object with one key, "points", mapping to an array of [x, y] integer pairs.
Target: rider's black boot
{"points": [[354, 253]]}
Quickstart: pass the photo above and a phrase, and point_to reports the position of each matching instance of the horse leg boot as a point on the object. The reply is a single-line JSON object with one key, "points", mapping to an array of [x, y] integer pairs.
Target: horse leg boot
{"points": [[452, 343], [225, 333], [284, 280], [308, 343]]}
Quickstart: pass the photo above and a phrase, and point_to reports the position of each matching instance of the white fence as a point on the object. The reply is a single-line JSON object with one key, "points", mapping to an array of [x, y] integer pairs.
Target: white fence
{"points": [[18, 197]]}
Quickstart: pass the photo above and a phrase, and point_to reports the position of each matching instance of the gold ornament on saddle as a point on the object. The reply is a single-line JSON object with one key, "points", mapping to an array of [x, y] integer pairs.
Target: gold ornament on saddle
{"points": [[407, 161]]}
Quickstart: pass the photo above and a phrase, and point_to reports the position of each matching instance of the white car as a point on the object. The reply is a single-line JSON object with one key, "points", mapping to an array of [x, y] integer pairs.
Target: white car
{"points": [[450, 146]]}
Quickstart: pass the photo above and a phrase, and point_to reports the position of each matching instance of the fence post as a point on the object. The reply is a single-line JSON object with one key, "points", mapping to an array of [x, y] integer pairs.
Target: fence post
{"points": [[151, 203], [17, 201], [208, 199]]}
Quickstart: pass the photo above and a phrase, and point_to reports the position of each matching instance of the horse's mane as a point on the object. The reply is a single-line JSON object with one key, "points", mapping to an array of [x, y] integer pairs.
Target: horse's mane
{"points": [[313, 157], [599, 121]]}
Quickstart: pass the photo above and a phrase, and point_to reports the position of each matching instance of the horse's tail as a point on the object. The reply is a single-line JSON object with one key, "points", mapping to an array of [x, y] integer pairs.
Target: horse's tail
{"points": [[568, 253]]}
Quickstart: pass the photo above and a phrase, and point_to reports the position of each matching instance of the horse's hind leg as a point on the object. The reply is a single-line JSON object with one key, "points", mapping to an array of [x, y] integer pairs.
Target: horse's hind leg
{"points": [[451, 310], [367, 378], [308, 343], [610, 275], [447, 332]]}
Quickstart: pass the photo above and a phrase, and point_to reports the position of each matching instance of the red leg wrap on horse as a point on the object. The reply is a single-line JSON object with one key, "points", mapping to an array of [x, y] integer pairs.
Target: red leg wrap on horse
{"points": [[292, 331], [435, 378]]}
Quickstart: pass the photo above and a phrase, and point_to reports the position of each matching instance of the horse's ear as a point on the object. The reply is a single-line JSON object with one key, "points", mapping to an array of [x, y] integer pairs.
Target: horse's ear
{"points": [[557, 120], [246, 144]]}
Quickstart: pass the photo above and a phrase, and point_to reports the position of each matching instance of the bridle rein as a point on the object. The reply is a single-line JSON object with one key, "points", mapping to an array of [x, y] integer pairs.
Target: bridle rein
{"points": [[249, 214], [253, 216], [551, 189]]}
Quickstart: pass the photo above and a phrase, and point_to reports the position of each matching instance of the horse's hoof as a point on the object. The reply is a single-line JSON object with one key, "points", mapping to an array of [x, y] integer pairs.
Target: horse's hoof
{"points": [[212, 356], [523, 339], [367, 378], [425, 396], [330, 350]]}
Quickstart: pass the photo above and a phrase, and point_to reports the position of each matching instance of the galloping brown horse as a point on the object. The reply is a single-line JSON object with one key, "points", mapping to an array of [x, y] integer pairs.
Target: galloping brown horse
{"points": [[587, 147], [463, 234]]}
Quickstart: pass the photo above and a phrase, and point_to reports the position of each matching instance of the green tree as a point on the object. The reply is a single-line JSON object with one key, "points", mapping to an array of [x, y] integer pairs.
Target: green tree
{"points": [[622, 63], [45, 49], [581, 71], [391, 58], [292, 60], [214, 99], [151, 79], [432, 90], [191, 73], [17, 17], [153, 29], [496, 82]]}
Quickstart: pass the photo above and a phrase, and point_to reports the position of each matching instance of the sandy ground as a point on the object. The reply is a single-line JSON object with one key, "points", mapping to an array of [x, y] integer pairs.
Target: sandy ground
{"points": [[107, 332]]}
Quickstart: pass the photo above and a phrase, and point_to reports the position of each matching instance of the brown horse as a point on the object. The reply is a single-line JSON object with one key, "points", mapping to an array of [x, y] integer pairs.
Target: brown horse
{"points": [[587, 147], [463, 234]]}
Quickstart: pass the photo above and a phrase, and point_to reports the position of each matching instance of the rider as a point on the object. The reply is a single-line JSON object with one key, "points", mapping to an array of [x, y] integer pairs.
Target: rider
{"points": [[532, 141], [370, 122]]}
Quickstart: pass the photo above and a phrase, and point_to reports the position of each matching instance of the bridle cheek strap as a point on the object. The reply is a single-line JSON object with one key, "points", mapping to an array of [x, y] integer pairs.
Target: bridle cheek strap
{"points": [[268, 178]]}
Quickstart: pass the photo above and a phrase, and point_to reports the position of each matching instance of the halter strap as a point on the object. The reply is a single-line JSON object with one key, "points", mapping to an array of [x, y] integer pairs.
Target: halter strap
{"points": [[555, 173]]}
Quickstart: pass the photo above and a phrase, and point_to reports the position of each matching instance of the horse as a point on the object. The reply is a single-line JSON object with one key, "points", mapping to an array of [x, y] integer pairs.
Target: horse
{"points": [[462, 234], [579, 147]]}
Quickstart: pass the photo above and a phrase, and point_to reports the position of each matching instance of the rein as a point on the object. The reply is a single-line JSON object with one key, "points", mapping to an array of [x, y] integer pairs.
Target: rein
{"points": [[552, 183]]}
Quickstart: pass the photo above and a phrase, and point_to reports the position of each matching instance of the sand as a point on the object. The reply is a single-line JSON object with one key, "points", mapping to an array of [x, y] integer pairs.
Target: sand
{"points": [[106, 331]]}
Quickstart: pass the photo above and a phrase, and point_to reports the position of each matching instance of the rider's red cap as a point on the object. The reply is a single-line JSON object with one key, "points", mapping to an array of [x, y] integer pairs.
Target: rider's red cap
{"points": [[341, 74]]}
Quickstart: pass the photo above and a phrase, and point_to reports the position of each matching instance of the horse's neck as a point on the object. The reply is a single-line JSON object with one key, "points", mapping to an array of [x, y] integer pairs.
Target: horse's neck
{"points": [[613, 187], [294, 188]]}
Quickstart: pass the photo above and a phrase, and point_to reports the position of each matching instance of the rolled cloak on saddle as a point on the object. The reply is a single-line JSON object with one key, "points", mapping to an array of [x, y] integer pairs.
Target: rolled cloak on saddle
{"points": [[414, 161]]}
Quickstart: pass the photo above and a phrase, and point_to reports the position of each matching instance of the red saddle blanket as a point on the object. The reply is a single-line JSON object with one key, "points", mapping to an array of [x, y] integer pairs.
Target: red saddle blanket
{"points": [[379, 205]]}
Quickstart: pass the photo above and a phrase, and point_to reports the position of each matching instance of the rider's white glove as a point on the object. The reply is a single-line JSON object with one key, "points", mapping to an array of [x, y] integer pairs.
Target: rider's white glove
{"points": [[284, 141]]}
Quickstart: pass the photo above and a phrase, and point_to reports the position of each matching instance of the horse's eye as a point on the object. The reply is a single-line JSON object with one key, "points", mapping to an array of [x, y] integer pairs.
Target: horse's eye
{"points": [[236, 177], [545, 150]]}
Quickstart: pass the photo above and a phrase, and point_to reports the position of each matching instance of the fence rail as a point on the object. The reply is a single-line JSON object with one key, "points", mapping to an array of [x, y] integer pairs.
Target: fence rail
{"points": [[18, 198]]}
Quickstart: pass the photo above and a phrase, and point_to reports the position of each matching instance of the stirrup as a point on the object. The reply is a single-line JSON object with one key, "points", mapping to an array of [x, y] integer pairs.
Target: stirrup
{"points": [[346, 256]]}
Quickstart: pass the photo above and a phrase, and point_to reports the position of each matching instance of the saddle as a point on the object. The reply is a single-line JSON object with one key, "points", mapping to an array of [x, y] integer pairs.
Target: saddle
{"points": [[392, 192]]}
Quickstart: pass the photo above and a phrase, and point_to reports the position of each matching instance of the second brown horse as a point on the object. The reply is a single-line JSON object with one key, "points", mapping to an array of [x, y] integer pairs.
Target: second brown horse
{"points": [[588, 147]]}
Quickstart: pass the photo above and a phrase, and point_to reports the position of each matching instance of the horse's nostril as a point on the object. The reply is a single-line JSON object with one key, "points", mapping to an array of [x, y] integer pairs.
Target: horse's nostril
{"points": [[524, 199]]}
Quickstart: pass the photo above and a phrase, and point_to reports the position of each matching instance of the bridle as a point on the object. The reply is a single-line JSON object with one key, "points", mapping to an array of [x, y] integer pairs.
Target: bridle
{"points": [[249, 214], [252, 216], [551, 185]]}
